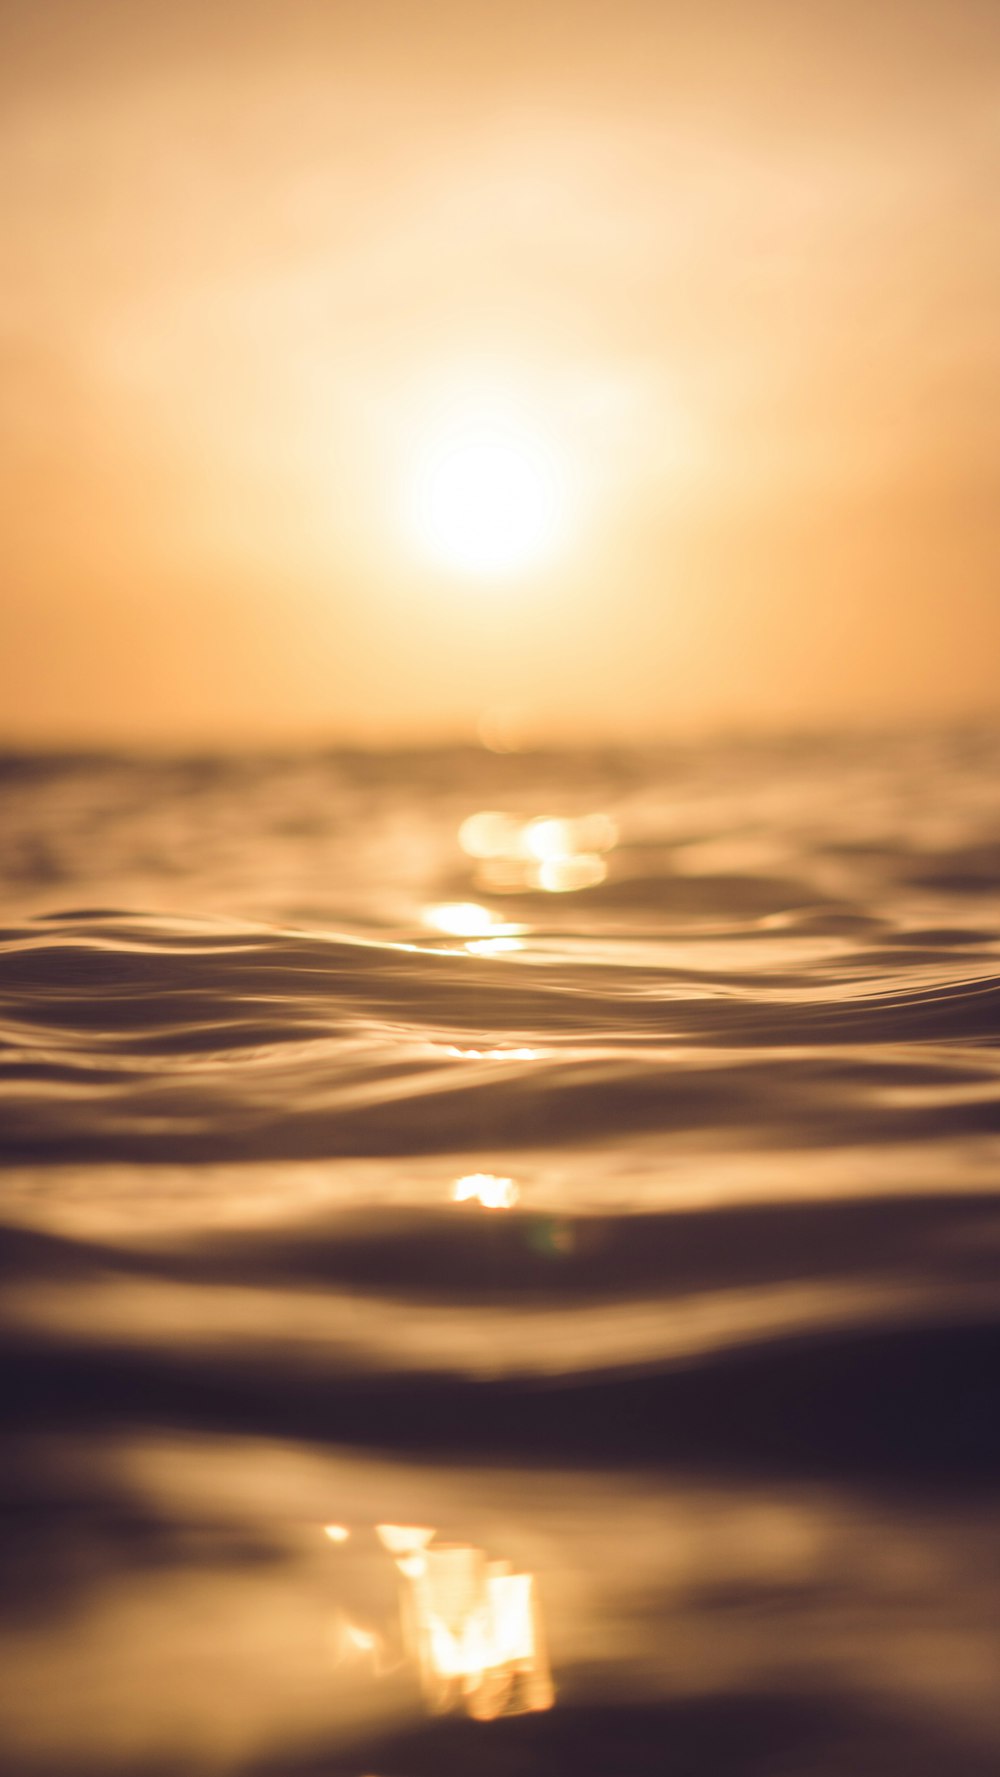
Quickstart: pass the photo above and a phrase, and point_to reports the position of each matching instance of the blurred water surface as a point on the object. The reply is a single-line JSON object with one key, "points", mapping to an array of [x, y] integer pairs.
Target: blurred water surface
{"points": [[570, 1181]]}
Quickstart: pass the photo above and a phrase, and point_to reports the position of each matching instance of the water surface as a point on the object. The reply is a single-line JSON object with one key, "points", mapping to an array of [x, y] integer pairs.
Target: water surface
{"points": [[610, 1189]]}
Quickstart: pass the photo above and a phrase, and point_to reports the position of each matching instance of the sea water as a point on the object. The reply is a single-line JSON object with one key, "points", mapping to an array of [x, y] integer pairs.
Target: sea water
{"points": [[501, 1261]]}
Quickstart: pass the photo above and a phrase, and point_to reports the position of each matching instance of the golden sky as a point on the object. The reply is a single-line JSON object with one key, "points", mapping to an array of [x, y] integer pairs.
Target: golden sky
{"points": [[734, 270]]}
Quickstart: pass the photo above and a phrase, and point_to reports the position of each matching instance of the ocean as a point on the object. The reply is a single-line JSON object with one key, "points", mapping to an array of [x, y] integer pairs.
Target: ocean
{"points": [[501, 1261]]}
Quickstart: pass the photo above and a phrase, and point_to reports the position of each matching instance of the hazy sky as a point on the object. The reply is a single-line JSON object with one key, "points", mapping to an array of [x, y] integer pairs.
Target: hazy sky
{"points": [[735, 268]]}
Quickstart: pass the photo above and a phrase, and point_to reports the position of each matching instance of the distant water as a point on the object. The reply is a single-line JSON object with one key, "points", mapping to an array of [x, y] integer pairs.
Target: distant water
{"points": [[501, 1262]]}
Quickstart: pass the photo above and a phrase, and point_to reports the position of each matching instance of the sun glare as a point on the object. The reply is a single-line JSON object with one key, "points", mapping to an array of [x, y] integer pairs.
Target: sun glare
{"points": [[487, 500]]}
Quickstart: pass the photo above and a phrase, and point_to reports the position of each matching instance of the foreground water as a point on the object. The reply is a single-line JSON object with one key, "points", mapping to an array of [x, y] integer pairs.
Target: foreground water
{"points": [[514, 1294]]}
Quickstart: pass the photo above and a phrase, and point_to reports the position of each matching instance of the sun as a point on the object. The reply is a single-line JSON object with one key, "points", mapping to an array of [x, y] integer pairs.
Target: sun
{"points": [[487, 500]]}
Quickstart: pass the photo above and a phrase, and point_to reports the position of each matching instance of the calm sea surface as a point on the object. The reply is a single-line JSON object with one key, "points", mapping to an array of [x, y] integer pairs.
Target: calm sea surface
{"points": [[501, 1263]]}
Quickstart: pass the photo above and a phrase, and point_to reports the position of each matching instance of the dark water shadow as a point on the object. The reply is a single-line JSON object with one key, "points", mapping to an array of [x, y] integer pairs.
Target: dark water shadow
{"points": [[727, 1735], [907, 1407]]}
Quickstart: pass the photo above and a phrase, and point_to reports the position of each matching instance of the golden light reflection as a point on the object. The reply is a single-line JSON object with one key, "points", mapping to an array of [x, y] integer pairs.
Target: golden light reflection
{"points": [[562, 876], [404, 1539], [466, 919], [558, 854], [473, 1627], [490, 834], [337, 1533], [545, 839], [486, 1189]]}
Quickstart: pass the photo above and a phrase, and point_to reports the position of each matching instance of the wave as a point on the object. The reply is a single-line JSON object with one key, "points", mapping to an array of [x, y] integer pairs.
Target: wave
{"points": [[142, 1038]]}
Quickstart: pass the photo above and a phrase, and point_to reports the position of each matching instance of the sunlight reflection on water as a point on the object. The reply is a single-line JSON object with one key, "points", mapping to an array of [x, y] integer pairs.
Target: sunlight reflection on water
{"points": [[466, 919], [554, 853], [486, 1189], [472, 1625], [465, 1624]]}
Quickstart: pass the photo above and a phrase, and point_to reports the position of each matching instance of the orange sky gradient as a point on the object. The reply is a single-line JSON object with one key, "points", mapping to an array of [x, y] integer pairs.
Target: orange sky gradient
{"points": [[738, 266]]}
